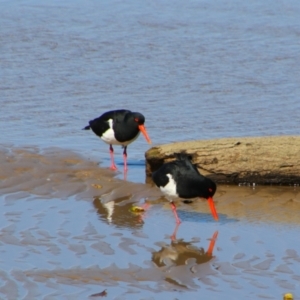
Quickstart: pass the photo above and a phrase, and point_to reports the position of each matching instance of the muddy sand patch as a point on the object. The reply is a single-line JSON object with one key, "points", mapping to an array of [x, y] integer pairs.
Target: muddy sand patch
{"points": [[67, 232]]}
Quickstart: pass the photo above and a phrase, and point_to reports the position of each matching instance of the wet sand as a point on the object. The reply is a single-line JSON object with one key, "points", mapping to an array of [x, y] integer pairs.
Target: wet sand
{"points": [[202, 70], [67, 232]]}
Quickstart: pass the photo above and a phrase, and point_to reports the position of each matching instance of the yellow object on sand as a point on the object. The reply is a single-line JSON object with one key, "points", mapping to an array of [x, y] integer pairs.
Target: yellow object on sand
{"points": [[96, 186], [288, 296], [137, 209]]}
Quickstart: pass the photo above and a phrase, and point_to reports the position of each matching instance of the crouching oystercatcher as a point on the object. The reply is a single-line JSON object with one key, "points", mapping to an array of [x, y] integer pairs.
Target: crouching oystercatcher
{"points": [[119, 127], [181, 178]]}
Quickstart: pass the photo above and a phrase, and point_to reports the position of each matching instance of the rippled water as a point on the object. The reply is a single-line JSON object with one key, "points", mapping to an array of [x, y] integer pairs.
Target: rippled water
{"points": [[67, 232], [196, 70]]}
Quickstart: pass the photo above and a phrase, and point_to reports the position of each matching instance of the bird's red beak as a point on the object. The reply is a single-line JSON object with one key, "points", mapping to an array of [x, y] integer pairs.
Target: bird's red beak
{"points": [[212, 208], [144, 132]]}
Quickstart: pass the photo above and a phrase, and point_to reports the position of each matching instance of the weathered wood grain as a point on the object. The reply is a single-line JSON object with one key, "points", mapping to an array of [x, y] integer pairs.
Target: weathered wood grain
{"points": [[262, 160]]}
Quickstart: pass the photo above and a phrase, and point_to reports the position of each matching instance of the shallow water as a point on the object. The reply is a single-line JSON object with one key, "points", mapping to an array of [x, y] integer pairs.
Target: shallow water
{"points": [[198, 70], [68, 231]]}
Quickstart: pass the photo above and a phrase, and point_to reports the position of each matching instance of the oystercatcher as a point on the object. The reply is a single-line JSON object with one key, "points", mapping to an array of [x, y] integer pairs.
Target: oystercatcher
{"points": [[119, 127], [181, 178]]}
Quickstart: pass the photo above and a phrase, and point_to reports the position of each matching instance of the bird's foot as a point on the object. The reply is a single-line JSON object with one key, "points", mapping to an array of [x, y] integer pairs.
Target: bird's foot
{"points": [[187, 201]]}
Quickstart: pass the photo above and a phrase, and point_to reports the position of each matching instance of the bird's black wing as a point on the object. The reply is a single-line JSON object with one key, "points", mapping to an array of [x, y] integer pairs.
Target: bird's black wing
{"points": [[160, 177], [119, 116], [181, 169], [177, 169], [100, 124], [186, 163]]}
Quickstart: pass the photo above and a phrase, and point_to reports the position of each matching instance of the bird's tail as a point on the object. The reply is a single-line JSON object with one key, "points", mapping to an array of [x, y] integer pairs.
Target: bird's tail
{"points": [[87, 127], [187, 158], [183, 156]]}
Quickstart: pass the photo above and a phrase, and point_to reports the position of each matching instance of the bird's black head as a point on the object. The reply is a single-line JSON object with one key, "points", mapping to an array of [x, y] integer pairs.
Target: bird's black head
{"points": [[138, 118], [211, 188]]}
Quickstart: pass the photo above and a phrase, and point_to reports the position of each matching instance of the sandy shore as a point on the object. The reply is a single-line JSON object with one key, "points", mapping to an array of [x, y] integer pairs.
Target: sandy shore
{"points": [[57, 173]]}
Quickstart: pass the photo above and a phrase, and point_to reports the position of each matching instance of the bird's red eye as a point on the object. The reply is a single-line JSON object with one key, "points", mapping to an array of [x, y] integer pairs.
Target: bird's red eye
{"points": [[136, 119], [210, 190]]}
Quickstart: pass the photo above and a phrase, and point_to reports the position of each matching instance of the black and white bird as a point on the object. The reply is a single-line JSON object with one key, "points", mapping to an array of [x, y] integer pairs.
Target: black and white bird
{"points": [[119, 127], [181, 178]]}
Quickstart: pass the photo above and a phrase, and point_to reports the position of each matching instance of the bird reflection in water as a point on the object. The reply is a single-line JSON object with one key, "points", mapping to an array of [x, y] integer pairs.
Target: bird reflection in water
{"points": [[119, 213], [179, 251]]}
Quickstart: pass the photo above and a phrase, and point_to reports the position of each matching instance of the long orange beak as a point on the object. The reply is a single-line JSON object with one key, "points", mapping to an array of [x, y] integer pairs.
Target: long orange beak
{"points": [[144, 132], [212, 208]]}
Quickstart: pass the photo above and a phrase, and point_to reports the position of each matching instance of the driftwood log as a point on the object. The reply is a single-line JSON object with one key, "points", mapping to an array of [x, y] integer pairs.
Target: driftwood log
{"points": [[259, 160]]}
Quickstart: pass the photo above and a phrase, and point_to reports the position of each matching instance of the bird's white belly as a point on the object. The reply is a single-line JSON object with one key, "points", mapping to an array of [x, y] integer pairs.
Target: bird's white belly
{"points": [[109, 136], [170, 188]]}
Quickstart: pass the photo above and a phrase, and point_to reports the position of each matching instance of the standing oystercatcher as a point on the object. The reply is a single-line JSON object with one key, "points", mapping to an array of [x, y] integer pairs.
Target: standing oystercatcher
{"points": [[119, 127], [181, 178]]}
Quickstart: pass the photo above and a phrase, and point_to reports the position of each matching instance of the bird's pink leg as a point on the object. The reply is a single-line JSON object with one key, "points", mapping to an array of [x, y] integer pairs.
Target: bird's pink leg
{"points": [[111, 152], [175, 212], [125, 159]]}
